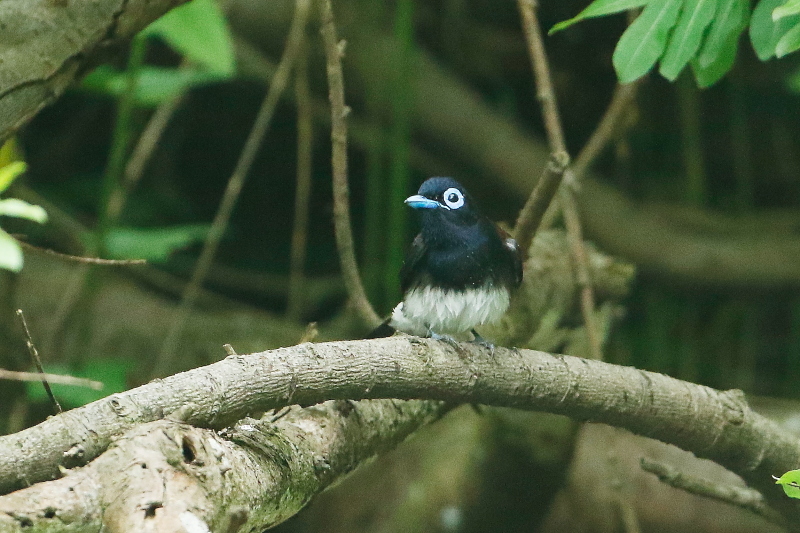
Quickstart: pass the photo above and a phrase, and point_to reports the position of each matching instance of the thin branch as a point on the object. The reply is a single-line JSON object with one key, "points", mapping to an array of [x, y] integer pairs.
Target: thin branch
{"points": [[541, 70], [606, 129], [305, 139], [83, 260], [334, 50], [532, 213], [140, 156], [59, 379], [743, 497], [581, 262], [555, 136], [37, 361], [234, 187]]}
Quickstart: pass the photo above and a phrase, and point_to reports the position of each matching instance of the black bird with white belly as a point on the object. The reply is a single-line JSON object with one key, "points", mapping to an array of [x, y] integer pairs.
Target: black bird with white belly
{"points": [[461, 269]]}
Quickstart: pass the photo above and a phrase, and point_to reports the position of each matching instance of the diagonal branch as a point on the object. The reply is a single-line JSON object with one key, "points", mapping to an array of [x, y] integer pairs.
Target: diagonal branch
{"points": [[165, 474], [234, 186]]}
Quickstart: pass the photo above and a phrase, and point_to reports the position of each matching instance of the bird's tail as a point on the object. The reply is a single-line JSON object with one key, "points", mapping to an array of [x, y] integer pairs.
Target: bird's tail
{"points": [[384, 330]]}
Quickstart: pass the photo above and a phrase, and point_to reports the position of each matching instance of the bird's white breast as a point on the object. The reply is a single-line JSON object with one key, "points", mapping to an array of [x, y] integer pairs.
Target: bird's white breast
{"points": [[447, 311]]}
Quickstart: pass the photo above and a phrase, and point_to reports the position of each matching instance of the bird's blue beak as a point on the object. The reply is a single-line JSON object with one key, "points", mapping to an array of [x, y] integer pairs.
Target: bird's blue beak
{"points": [[420, 202]]}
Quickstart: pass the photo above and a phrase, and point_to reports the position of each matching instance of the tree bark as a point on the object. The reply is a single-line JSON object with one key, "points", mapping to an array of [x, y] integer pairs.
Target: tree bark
{"points": [[716, 425], [169, 476], [46, 44]]}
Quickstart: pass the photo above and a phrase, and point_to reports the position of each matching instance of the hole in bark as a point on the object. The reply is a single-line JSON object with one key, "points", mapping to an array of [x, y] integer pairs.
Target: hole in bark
{"points": [[49, 512], [150, 510], [189, 453]]}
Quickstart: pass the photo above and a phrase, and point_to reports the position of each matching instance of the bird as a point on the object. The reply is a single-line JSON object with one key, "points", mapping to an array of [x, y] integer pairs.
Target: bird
{"points": [[460, 271]]}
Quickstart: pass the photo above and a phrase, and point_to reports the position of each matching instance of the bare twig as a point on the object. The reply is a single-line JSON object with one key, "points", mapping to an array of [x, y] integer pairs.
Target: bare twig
{"points": [[84, 260], [334, 50], [59, 379], [37, 361], [235, 183], [743, 497], [541, 71], [606, 129], [229, 349], [305, 138], [531, 215], [145, 146], [575, 238], [555, 137]]}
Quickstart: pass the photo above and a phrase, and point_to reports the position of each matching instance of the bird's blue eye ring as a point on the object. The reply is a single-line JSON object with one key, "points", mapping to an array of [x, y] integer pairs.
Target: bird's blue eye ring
{"points": [[453, 198]]}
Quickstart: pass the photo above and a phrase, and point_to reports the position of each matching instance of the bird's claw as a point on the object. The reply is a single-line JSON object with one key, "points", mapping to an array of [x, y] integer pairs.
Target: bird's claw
{"points": [[480, 341]]}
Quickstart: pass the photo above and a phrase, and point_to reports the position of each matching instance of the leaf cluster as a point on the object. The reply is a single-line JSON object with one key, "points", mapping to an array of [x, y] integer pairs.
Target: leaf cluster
{"points": [[701, 34]]}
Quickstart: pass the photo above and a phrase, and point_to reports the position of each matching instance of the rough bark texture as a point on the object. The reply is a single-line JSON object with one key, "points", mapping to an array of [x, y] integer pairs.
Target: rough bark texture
{"points": [[712, 424], [170, 476], [45, 44]]}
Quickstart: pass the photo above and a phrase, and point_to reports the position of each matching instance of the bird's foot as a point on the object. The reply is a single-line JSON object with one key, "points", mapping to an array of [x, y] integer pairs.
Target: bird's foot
{"points": [[480, 341], [446, 338]]}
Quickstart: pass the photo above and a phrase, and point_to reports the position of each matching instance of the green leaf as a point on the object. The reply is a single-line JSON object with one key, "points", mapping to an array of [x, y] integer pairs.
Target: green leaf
{"points": [[789, 42], [13, 207], [111, 372], [790, 482], [9, 172], [644, 41], [687, 36], [731, 18], [198, 30], [152, 244], [599, 8], [711, 74], [792, 7], [154, 85], [10, 253], [765, 32]]}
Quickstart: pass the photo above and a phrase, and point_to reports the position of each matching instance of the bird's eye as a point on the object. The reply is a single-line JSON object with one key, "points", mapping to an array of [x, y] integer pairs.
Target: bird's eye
{"points": [[453, 198]]}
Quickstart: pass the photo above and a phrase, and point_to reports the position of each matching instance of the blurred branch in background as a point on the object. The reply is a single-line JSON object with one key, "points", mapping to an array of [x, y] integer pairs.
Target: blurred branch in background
{"points": [[555, 136], [234, 187], [305, 151], [334, 50]]}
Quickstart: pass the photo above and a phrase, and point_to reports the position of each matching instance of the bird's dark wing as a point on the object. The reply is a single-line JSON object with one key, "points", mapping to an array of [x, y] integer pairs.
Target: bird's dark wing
{"points": [[512, 248], [410, 271]]}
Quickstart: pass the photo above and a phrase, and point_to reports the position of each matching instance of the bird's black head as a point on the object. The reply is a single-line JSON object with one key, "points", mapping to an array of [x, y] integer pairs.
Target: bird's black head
{"points": [[444, 197]]}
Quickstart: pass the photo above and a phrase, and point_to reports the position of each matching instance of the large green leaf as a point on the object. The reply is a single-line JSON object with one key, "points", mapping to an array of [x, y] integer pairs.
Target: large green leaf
{"points": [[152, 244], [789, 42], [766, 32], [599, 8], [687, 36], [198, 30], [10, 253], [644, 41], [9, 173], [731, 18], [154, 85], [789, 8], [13, 207]]}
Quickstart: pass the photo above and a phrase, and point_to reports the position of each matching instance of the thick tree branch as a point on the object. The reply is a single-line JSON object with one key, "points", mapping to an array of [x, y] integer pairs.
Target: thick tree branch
{"points": [[713, 424], [250, 477], [46, 45]]}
